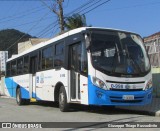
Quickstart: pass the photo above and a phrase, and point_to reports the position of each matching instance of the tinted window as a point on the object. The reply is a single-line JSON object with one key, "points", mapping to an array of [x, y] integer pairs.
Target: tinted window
{"points": [[20, 66], [8, 69], [59, 49], [47, 58], [39, 60], [26, 64], [119, 54], [13, 68], [59, 55]]}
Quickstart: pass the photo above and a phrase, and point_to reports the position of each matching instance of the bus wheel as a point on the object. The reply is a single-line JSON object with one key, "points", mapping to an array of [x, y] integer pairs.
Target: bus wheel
{"points": [[19, 100], [63, 105]]}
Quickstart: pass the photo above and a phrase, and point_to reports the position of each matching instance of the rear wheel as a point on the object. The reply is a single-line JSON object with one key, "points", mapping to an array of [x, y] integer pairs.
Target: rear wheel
{"points": [[19, 100], [63, 105]]}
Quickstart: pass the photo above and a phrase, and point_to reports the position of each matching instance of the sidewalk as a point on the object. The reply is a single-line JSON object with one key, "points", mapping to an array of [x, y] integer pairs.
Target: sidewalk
{"points": [[3, 96], [151, 109]]}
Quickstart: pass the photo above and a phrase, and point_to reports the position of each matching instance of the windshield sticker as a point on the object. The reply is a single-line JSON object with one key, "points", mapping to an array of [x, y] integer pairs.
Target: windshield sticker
{"points": [[129, 69]]}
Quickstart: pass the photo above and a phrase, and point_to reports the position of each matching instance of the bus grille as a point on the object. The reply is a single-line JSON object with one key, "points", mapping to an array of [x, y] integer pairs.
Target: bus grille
{"points": [[126, 101], [126, 90], [116, 99]]}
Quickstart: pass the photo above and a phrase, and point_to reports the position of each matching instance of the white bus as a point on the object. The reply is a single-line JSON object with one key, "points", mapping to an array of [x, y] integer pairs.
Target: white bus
{"points": [[90, 66]]}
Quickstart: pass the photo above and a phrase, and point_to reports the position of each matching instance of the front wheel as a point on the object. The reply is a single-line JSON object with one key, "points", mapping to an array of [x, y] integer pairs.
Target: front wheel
{"points": [[19, 100], [63, 105]]}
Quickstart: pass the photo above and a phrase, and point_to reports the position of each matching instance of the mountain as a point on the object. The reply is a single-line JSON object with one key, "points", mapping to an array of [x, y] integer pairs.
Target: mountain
{"points": [[9, 40]]}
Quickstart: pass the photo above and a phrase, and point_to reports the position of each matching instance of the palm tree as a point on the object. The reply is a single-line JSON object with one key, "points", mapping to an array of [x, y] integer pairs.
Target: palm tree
{"points": [[75, 21]]}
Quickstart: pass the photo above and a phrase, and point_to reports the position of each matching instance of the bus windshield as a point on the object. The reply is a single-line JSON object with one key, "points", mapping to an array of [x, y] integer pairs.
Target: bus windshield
{"points": [[119, 54]]}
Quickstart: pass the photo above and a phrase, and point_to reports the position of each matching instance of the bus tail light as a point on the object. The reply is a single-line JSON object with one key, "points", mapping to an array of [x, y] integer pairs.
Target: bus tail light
{"points": [[99, 83], [148, 85]]}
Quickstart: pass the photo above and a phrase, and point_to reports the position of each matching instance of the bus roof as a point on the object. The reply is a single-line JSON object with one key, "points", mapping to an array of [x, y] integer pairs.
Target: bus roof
{"points": [[59, 37]]}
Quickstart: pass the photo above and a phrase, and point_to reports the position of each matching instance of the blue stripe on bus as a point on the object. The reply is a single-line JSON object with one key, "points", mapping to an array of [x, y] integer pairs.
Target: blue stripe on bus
{"points": [[98, 96], [11, 86]]}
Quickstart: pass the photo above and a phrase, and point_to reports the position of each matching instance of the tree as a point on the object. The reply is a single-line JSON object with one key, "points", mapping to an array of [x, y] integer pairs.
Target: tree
{"points": [[59, 12], [75, 21]]}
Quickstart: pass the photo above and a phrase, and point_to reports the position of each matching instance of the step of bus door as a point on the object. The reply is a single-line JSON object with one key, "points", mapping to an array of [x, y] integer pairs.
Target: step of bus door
{"points": [[33, 100]]}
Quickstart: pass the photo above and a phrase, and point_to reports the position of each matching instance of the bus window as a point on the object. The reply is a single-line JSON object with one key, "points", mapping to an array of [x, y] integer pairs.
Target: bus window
{"points": [[8, 70], [59, 49], [82, 59], [59, 57], [13, 68], [26, 64], [47, 58], [39, 60], [20, 66]]}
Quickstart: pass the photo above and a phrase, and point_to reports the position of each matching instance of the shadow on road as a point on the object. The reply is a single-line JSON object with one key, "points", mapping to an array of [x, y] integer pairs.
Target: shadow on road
{"points": [[92, 109]]}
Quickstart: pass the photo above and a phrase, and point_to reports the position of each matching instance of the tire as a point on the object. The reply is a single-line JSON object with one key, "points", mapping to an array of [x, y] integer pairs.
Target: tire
{"points": [[19, 100], [63, 105]]}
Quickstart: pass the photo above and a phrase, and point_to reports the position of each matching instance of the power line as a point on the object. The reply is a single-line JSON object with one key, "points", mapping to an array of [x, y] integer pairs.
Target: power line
{"points": [[27, 23], [82, 6], [89, 2], [46, 5], [138, 5], [92, 4], [53, 32], [49, 29], [27, 32], [22, 13], [20, 16], [97, 6]]}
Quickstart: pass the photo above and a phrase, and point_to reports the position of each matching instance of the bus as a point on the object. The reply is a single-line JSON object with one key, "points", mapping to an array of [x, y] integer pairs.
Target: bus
{"points": [[87, 65]]}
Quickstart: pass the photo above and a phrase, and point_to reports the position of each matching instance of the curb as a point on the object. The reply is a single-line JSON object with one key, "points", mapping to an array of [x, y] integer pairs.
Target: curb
{"points": [[143, 112], [4, 96], [157, 113]]}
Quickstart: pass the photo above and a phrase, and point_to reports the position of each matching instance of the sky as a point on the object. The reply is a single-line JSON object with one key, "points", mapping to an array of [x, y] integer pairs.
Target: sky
{"points": [[36, 18]]}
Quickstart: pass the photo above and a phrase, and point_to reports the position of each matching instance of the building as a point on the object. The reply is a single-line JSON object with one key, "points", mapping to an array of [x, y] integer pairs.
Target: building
{"points": [[22, 46], [3, 59], [152, 44]]}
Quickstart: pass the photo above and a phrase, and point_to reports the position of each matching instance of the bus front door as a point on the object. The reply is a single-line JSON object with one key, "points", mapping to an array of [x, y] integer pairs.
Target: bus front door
{"points": [[75, 53]]}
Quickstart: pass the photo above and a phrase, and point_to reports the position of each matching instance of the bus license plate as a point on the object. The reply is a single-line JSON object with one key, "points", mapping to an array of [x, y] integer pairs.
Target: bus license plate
{"points": [[128, 97]]}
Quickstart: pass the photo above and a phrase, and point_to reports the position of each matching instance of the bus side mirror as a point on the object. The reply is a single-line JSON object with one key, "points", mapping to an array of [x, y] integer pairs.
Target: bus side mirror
{"points": [[87, 39]]}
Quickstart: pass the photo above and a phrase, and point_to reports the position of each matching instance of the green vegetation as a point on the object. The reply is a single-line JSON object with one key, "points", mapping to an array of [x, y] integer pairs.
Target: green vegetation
{"points": [[75, 21]]}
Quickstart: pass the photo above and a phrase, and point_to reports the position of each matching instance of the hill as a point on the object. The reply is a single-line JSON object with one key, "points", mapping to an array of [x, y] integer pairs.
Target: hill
{"points": [[8, 37]]}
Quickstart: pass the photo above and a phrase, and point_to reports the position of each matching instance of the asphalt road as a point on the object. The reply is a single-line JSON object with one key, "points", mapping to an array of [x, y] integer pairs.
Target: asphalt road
{"points": [[49, 112]]}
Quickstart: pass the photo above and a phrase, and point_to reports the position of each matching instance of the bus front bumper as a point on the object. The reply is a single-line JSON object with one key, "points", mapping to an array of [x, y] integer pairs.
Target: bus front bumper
{"points": [[98, 96]]}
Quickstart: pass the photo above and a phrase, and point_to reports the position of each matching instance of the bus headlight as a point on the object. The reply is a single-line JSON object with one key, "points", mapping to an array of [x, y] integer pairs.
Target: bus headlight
{"points": [[99, 83], [148, 85]]}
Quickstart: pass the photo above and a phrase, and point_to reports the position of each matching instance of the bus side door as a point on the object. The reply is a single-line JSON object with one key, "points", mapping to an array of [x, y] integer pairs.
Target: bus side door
{"points": [[78, 72]]}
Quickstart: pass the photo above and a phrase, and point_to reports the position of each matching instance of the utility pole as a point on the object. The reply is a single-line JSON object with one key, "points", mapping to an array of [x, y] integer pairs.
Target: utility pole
{"points": [[59, 13]]}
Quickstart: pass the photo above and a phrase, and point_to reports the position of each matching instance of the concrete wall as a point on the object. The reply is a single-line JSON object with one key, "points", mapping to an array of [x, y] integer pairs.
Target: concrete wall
{"points": [[156, 81], [2, 85]]}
